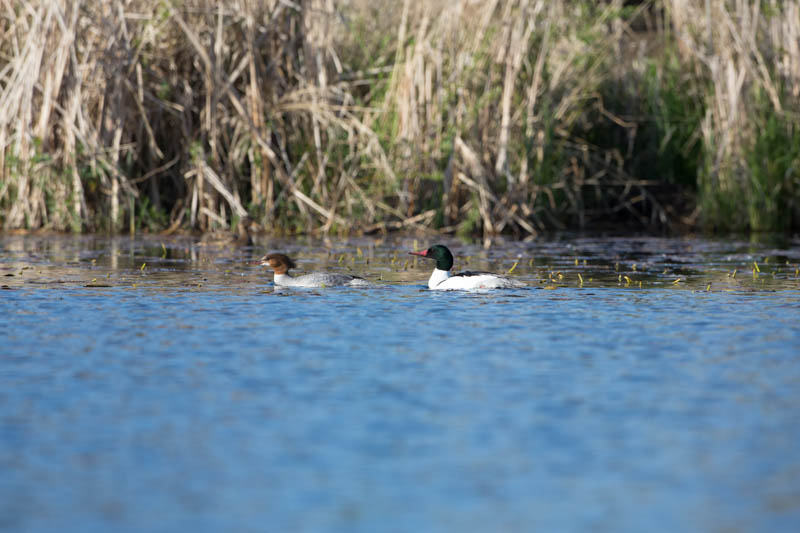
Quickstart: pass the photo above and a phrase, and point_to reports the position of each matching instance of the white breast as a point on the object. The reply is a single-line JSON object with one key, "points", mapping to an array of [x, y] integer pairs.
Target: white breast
{"points": [[442, 280]]}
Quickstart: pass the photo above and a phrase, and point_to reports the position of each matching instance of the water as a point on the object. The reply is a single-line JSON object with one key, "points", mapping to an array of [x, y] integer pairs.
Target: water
{"points": [[150, 387]]}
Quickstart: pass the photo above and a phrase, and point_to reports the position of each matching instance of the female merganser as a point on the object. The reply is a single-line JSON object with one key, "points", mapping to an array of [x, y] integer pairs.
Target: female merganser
{"points": [[281, 264], [443, 279]]}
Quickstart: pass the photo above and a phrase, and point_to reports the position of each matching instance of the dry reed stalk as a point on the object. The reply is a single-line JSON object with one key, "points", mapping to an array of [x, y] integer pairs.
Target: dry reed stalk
{"points": [[747, 49], [496, 39], [514, 52]]}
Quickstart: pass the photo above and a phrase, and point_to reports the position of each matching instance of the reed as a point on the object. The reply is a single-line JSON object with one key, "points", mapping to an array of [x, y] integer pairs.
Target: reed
{"points": [[747, 55], [504, 116]]}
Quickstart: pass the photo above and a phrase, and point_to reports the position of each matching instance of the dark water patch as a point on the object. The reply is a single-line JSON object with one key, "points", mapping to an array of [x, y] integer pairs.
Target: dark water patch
{"points": [[696, 264]]}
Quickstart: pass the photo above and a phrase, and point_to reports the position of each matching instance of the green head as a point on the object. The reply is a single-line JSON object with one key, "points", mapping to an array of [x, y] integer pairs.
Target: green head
{"points": [[443, 257]]}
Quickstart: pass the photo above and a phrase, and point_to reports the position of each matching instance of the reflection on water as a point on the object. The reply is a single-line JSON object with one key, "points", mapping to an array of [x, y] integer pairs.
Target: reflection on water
{"points": [[149, 384], [644, 262]]}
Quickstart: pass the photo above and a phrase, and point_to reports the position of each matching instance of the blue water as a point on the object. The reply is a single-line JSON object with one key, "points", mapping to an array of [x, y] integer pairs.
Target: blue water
{"points": [[236, 408]]}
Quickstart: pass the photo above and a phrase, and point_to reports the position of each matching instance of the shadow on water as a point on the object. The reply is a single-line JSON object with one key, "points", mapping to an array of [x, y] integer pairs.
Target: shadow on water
{"points": [[637, 384]]}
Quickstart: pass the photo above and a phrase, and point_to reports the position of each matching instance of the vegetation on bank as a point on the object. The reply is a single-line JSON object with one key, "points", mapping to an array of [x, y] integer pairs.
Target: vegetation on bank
{"points": [[514, 116]]}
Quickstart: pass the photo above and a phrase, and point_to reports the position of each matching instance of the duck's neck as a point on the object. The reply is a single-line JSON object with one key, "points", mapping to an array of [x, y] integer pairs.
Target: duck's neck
{"points": [[437, 277], [283, 279]]}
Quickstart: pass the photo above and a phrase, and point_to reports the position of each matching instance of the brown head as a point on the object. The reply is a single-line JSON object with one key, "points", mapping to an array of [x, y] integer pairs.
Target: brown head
{"points": [[280, 263]]}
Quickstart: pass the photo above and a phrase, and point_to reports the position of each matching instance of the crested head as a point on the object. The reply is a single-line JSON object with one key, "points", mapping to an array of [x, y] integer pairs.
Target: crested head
{"points": [[280, 263], [439, 252]]}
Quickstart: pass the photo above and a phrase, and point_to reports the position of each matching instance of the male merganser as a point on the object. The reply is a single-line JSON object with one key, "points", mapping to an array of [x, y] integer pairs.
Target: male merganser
{"points": [[281, 264], [443, 279]]}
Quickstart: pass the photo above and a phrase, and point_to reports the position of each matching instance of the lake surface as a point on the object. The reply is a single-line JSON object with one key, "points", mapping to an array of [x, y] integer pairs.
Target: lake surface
{"points": [[638, 384]]}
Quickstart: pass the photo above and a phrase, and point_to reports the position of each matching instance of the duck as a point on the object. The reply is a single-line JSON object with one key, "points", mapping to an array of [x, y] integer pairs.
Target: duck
{"points": [[281, 264], [443, 280]]}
